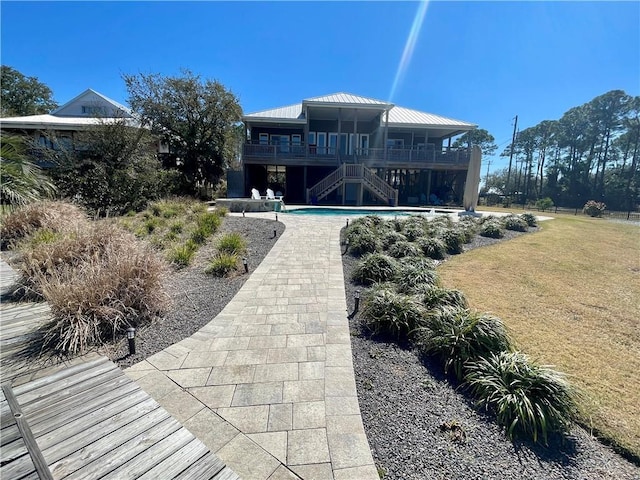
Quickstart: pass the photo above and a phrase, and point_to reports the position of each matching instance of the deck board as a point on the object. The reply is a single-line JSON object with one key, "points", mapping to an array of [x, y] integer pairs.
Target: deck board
{"points": [[91, 421]]}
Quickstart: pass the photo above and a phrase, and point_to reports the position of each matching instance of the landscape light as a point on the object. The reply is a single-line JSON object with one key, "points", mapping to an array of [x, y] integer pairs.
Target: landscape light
{"points": [[131, 336], [274, 233], [246, 265], [356, 297], [276, 216], [347, 222], [346, 248], [243, 212]]}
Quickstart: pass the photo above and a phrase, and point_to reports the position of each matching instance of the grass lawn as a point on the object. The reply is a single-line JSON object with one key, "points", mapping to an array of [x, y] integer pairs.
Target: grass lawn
{"points": [[570, 296]]}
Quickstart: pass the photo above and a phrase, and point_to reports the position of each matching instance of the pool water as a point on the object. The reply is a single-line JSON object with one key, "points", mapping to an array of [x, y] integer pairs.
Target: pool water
{"points": [[360, 211]]}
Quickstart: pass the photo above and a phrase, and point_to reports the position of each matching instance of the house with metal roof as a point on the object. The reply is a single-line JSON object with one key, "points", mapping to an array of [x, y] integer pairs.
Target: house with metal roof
{"points": [[59, 127], [347, 149]]}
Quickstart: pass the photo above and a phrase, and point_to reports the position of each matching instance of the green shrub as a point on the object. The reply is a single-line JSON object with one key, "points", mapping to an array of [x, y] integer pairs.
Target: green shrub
{"points": [[453, 240], [436, 297], [176, 227], [232, 243], [222, 264], [182, 255], [530, 218], [392, 237], [544, 204], [466, 229], [594, 209], [416, 275], [151, 224], [492, 230], [221, 211], [363, 242], [513, 222], [41, 237], [388, 312], [433, 247], [529, 400], [374, 268], [208, 223], [404, 249], [459, 335]]}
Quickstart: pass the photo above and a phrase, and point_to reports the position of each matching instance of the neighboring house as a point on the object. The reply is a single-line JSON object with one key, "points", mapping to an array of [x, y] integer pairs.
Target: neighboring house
{"points": [[59, 128], [350, 150]]}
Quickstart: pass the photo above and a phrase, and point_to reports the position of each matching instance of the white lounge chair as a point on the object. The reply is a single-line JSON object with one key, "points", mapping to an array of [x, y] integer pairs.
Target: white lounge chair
{"points": [[270, 195], [255, 194]]}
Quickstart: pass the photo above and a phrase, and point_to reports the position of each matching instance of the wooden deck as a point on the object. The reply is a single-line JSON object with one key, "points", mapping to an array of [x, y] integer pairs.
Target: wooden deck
{"points": [[91, 421], [83, 418]]}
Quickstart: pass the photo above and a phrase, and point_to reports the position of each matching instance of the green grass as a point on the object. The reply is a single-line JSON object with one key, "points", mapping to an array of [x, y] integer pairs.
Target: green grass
{"points": [[222, 264], [232, 243], [569, 296]]}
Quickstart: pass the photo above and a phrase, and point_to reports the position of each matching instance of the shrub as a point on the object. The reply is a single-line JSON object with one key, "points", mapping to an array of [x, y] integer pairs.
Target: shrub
{"points": [[232, 243], [513, 222], [99, 289], [404, 249], [530, 218], [221, 211], [208, 223], [181, 255], [363, 242], [459, 335], [466, 229], [54, 216], [373, 268], [222, 264], [151, 224], [413, 232], [388, 312], [492, 230], [416, 276], [528, 399], [544, 204], [433, 247], [392, 237], [176, 227], [594, 209], [453, 240], [436, 297]]}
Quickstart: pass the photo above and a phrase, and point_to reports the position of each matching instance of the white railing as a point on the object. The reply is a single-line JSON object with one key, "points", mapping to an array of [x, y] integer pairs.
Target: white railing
{"points": [[353, 172]]}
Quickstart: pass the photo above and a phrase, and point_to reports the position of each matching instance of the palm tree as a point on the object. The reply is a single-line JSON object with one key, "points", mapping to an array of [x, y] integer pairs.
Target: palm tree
{"points": [[21, 181]]}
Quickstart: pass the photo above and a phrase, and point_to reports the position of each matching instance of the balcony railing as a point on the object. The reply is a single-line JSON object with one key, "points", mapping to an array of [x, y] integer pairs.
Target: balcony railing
{"points": [[256, 153]]}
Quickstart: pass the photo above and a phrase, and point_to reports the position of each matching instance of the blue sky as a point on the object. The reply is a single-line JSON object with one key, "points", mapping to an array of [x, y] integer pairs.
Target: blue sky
{"points": [[482, 62]]}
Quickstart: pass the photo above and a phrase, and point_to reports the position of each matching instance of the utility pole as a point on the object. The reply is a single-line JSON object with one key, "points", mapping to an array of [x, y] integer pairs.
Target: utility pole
{"points": [[487, 178], [513, 141]]}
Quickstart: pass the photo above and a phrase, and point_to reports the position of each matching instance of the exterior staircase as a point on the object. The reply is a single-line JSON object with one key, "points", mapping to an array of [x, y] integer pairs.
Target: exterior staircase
{"points": [[353, 173]]}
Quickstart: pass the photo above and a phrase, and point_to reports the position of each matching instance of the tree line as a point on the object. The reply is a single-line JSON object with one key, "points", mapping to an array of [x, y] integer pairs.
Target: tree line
{"points": [[590, 153]]}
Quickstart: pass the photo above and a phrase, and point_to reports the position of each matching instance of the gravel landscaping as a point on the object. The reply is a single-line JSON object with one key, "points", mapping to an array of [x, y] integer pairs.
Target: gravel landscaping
{"points": [[418, 425]]}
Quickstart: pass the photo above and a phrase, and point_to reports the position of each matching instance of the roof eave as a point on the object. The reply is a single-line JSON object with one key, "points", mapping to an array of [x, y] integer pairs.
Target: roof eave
{"points": [[363, 106], [462, 128], [293, 121]]}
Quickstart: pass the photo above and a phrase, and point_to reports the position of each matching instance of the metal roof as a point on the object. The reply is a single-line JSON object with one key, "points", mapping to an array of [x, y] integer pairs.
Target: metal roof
{"points": [[347, 98], [407, 116], [51, 121], [290, 113]]}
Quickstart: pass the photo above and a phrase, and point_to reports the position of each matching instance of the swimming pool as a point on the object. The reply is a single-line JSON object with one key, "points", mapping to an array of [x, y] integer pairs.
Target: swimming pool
{"points": [[363, 211]]}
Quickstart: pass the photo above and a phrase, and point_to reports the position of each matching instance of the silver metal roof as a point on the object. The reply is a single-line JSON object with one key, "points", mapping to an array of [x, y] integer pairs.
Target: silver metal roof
{"points": [[407, 116], [347, 98], [398, 116], [288, 113], [51, 121]]}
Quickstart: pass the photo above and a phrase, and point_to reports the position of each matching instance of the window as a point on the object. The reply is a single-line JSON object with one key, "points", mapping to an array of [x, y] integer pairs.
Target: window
{"points": [[93, 110], [263, 139], [395, 142], [312, 138], [321, 141]]}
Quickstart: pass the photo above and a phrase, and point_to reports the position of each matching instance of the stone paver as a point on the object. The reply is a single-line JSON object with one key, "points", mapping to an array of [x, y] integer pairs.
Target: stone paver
{"points": [[268, 385]]}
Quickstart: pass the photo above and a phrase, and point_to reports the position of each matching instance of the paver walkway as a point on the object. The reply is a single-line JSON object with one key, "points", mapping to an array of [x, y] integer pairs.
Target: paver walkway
{"points": [[268, 385]]}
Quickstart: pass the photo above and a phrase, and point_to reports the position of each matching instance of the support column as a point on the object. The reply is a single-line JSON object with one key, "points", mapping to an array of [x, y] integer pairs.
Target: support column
{"points": [[355, 136], [386, 135], [306, 133], [339, 134]]}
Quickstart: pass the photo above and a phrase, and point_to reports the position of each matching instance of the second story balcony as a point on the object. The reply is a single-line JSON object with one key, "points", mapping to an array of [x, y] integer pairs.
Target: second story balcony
{"points": [[391, 157]]}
